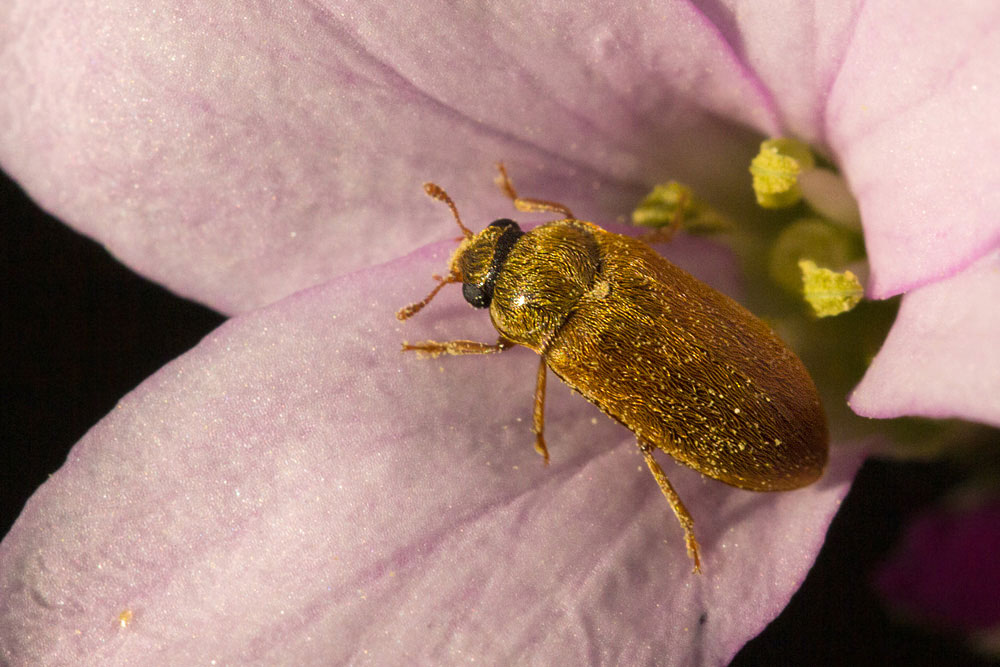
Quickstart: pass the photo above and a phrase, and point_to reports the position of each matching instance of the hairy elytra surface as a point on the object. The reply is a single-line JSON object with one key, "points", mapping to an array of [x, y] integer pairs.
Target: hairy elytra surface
{"points": [[680, 364]]}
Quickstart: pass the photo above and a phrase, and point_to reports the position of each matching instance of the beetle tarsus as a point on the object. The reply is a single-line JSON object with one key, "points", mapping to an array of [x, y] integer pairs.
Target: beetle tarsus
{"points": [[541, 448]]}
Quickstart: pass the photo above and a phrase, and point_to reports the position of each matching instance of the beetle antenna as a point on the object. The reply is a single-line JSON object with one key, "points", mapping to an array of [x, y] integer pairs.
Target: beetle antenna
{"points": [[414, 308], [437, 192], [528, 204]]}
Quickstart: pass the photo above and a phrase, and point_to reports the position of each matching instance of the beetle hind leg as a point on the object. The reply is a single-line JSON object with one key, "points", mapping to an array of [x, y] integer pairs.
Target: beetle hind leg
{"points": [[683, 516]]}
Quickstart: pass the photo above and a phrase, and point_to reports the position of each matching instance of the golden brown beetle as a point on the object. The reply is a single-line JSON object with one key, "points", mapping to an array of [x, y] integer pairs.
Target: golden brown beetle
{"points": [[684, 367]]}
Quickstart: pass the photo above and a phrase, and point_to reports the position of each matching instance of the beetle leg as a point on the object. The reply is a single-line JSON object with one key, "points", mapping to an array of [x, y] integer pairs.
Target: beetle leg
{"points": [[687, 523], [528, 205], [433, 348], [538, 425]]}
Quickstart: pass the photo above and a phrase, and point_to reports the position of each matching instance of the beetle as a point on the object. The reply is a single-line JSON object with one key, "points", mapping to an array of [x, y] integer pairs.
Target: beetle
{"points": [[684, 367]]}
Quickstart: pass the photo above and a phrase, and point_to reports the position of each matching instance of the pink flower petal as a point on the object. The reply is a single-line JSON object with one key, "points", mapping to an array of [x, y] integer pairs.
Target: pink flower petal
{"points": [[297, 490], [237, 155], [945, 571], [906, 103], [912, 119], [941, 358], [795, 49]]}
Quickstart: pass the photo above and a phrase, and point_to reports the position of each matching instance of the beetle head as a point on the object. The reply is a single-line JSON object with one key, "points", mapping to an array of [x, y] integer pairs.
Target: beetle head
{"points": [[480, 259], [476, 262]]}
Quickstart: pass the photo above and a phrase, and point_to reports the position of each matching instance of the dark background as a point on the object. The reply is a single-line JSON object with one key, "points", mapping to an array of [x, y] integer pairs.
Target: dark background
{"points": [[80, 331]]}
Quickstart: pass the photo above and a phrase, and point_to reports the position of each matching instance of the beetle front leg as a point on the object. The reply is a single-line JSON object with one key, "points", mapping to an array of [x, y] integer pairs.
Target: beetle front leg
{"points": [[433, 348], [683, 516]]}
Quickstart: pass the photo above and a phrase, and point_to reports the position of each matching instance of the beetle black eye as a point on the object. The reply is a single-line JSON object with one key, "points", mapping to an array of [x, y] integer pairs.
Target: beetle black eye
{"points": [[481, 295], [476, 295]]}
